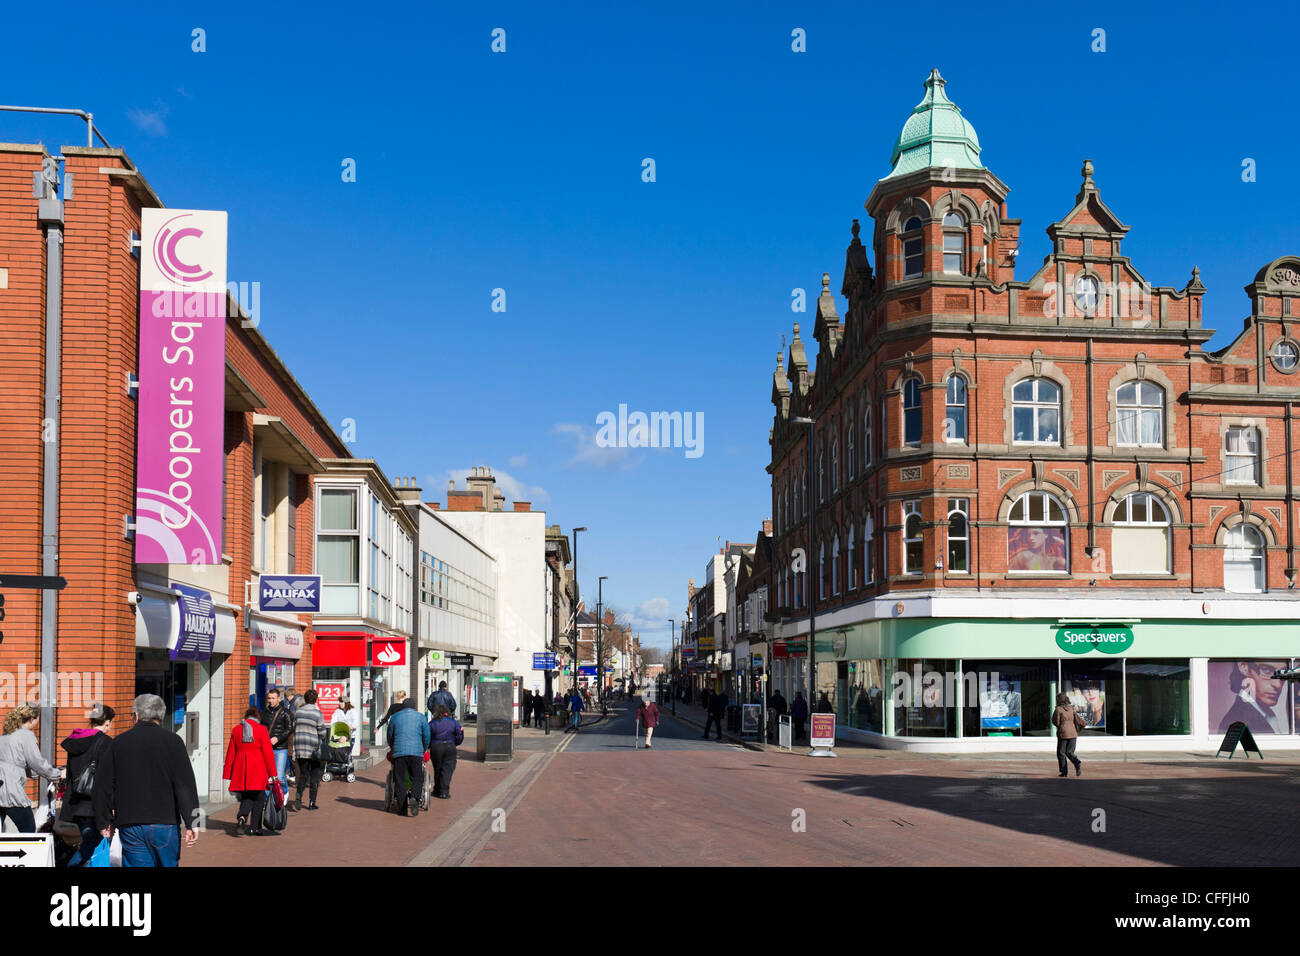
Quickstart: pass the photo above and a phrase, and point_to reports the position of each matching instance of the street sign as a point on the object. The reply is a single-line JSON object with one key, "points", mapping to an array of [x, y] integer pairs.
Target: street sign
{"points": [[33, 581], [289, 592], [544, 662], [587, 670], [462, 660], [27, 849]]}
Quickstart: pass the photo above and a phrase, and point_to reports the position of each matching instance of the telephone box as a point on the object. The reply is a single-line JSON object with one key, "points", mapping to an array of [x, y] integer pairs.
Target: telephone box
{"points": [[496, 711]]}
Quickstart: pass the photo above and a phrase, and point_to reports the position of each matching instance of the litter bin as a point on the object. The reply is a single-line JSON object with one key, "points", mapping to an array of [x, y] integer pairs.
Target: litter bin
{"points": [[733, 718]]}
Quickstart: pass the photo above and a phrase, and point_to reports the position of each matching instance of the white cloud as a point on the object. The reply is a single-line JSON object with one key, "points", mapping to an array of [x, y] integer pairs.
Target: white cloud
{"points": [[519, 461], [587, 452], [150, 121]]}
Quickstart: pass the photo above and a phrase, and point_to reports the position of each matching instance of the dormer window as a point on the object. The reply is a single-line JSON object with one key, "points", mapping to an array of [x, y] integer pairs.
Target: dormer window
{"points": [[913, 248], [954, 244], [1085, 294]]}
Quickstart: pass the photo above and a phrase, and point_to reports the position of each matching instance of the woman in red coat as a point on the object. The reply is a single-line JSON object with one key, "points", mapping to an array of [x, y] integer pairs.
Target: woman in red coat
{"points": [[250, 765]]}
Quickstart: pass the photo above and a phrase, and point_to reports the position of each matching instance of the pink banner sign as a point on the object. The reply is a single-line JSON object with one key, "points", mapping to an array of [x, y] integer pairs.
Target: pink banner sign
{"points": [[180, 430]]}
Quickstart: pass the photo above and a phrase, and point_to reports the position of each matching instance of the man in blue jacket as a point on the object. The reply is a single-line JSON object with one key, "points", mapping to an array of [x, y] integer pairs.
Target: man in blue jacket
{"points": [[444, 697], [576, 708], [408, 737]]}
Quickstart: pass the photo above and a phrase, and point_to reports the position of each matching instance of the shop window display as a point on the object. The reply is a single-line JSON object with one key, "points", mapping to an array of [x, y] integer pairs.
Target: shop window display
{"points": [[1095, 688], [1251, 692], [923, 694], [1014, 698], [1156, 697], [866, 695]]}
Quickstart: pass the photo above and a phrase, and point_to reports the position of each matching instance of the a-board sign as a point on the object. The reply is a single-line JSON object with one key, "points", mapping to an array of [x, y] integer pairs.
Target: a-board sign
{"points": [[1239, 733], [26, 849]]}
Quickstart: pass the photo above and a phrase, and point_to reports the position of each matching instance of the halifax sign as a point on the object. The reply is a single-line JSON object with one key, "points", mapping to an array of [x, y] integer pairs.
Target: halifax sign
{"points": [[289, 592]]}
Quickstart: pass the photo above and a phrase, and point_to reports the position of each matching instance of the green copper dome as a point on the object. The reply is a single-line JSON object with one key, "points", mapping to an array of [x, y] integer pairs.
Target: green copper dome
{"points": [[935, 134]]}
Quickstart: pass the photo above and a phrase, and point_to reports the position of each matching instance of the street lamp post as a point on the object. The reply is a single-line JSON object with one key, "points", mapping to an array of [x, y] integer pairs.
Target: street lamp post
{"points": [[600, 641], [573, 668], [813, 581], [672, 638]]}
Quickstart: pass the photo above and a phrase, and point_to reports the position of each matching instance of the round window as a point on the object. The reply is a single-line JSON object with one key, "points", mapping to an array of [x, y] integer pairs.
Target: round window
{"points": [[1285, 356], [1085, 294]]}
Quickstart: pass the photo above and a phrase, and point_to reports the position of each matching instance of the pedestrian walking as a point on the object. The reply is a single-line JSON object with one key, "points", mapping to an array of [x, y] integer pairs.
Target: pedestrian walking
{"points": [[278, 721], [444, 697], [349, 715], [648, 715], [145, 789], [824, 705], [399, 701], [717, 707], [525, 707], [539, 709], [799, 714], [20, 757], [575, 710], [408, 736], [776, 709], [250, 767], [309, 736], [446, 734], [85, 747], [1068, 723]]}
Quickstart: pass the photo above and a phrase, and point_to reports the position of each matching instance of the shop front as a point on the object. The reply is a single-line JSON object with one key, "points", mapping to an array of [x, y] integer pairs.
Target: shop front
{"points": [[274, 650], [367, 667], [182, 640], [1141, 683]]}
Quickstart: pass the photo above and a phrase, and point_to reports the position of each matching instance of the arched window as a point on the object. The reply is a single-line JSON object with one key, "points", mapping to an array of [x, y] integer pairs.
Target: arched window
{"points": [[1139, 542], [954, 421], [850, 575], [913, 248], [1140, 415], [1241, 456], [1243, 560], [821, 474], [821, 571], [958, 536], [912, 543], [848, 446], [1085, 294], [1038, 536], [835, 465], [954, 244], [868, 551], [835, 565], [912, 413], [786, 507], [1036, 412], [866, 436]]}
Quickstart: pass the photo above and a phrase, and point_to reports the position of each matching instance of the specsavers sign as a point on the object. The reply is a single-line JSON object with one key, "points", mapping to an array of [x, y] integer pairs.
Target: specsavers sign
{"points": [[1109, 639]]}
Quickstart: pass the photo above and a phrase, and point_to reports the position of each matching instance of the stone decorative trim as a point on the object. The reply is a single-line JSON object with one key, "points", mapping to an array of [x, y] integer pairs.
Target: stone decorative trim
{"points": [[1071, 475], [1008, 474], [1276, 513], [1215, 511], [1110, 477], [961, 302], [1174, 478], [910, 473], [960, 472], [907, 306]]}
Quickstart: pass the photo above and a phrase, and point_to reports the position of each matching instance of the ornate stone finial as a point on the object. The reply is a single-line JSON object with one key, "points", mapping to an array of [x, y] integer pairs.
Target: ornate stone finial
{"points": [[856, 228], [796, 330], [1196, 272], [826, 281], [935, 79]]}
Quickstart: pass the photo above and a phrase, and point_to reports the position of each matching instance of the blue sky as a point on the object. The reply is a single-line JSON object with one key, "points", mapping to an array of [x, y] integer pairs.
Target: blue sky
{"points": [[522, 171]]}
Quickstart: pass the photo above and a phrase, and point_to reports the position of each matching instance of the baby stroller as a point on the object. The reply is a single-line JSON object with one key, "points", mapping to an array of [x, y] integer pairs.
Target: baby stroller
{"points": [[338, 755], [390, 785]]}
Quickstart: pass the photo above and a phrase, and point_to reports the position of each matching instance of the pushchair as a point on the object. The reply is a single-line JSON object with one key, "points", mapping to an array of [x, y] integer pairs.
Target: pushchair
{"points": [[390, 785], [338, 755]]}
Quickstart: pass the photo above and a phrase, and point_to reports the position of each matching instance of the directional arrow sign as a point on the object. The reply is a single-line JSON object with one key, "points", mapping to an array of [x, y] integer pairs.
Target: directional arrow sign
{"points": [[26, 849], [33, 581], [17, 853]]}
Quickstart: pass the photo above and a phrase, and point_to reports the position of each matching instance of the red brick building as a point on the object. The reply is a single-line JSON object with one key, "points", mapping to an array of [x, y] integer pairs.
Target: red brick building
{"points": [[1049, 480], [116, 620]]}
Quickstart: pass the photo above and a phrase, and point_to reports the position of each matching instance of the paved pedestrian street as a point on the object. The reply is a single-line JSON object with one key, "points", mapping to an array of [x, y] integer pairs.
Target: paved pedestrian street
{"points": [[595, 799]]}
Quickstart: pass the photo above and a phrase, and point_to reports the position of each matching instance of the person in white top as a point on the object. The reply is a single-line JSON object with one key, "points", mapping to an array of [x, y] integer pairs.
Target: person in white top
{"points": [[347, 714]]}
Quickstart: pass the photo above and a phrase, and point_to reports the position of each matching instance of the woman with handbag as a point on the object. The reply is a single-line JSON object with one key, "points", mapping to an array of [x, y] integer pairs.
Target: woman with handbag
{"points": [[84, 747], [20, 757], [1068, 723], [250, 768], [445, 735]]}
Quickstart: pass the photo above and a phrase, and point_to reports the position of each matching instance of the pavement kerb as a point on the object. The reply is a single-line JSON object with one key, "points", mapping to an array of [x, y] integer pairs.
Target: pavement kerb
{"points": [[747, 744]]}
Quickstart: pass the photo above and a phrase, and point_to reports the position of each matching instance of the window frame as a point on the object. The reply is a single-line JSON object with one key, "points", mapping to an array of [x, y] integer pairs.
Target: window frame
{"points": [[1152, 503], [1228, 455], [913, 247], [1139, 411], [963, 404], [1037, 405], [1047, 522], [958, 506], [954, 231], [1261, 573], [912, 382], [912, 510]]}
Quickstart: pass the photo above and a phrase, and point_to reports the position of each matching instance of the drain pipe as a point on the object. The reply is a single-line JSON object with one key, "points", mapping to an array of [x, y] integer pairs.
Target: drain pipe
{"points": [[91, 131], [49, 215]]}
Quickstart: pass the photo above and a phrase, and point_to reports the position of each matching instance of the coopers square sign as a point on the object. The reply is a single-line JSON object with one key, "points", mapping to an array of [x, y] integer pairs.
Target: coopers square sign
{"points": [[180, 424]]}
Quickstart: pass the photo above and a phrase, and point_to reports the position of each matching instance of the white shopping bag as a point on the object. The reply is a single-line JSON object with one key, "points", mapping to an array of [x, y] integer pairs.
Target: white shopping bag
{"points": [[115, 850]]}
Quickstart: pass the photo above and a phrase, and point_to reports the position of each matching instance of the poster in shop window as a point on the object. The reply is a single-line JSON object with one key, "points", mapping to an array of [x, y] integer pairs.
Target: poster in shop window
{"points": [[1250, 692], [1000, 705], [1088, 698]]}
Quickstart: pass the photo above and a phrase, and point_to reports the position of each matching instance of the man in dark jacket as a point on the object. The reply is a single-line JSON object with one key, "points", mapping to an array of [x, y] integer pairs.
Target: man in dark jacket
{"points": [[717, 708], [799, 714], [408, 736], [444, 697], [145, 788], [445, 735], [278, 722]]}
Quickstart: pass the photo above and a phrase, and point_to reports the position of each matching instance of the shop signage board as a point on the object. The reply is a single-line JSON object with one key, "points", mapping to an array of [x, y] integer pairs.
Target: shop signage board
{"points": [[437, 659], [328, 695], [198, 624], [823, 730], [705, 644], [1239, 733], [462, 660], [271, 640], [1109, 639], [289, 592], [27, 849], [750, 716], [387, 653], [587, 670], [543, 662], [180, 432]]}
